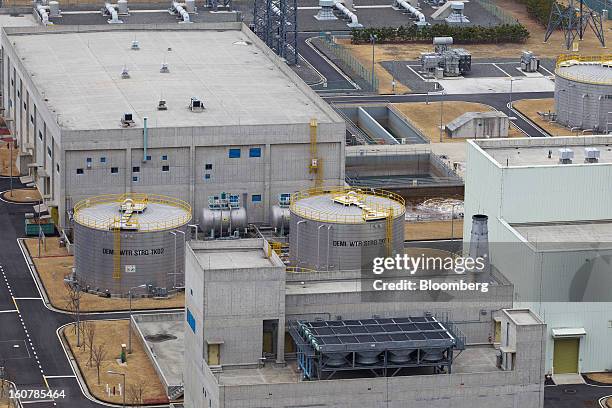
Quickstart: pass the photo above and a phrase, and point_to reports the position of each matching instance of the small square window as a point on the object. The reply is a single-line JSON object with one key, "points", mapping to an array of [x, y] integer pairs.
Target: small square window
{"points": [[206, 176], [135, 179], [88, 160], [79, 171], [148, 158], [191, 292], [255, 152], [234, 153], [114, 170], [165, 168], [136, 169], [102, 159], [208, 166], [165, 157], [256, 198]]}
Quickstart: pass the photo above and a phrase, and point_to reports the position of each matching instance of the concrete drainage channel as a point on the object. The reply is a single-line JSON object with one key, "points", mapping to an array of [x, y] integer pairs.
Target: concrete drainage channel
{"points": [[379, 124]]}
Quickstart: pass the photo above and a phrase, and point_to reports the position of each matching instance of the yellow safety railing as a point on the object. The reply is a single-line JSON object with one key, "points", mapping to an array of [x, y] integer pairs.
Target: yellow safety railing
{"points": [[568, 60], [299, 269], [395, 209], [108, 223]]}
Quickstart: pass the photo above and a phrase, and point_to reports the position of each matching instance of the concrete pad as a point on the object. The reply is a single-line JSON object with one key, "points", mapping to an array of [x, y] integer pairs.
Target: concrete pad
{"points": [[496, 85], [567, 379]]}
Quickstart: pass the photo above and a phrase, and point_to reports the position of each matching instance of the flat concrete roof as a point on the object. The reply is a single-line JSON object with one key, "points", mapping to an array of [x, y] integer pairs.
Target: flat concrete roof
{"points": [[527, 152], [585, 233], [79, 75], [26, 20], [523, 317], [164, 334], [231, 258]]}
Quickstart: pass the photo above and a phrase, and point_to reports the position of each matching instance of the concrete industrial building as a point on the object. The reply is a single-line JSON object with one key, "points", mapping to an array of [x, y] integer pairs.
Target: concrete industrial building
{"points": [[547, 200], [241, 300], [583, 92], [479, 125], [93, 116]]}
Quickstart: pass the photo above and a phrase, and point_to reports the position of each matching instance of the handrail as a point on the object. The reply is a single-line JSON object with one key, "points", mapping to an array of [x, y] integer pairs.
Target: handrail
{"points": [[569, 60], [107, 224]]}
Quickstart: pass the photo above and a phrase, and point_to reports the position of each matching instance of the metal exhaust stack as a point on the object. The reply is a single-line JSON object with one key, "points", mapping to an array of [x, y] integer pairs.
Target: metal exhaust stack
{"points": [[479, 243]]}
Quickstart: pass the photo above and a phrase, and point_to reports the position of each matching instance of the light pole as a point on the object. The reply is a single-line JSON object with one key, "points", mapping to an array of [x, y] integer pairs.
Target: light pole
{"points": [[512, 79], [373, 41], [123, 390], [130, 325]]}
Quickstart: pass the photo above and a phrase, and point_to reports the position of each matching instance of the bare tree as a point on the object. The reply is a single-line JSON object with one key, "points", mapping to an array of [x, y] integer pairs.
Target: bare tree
{"points": [[73, 304], [89, 335], [135, 392], [99, 354]]}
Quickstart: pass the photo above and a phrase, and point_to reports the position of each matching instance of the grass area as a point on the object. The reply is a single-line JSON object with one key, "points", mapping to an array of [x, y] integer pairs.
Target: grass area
{"points": [[55, 263], [23, 195], [426, 117], [425, 230], [531, 107], [412, 51], [139, 372], [5, 158]]}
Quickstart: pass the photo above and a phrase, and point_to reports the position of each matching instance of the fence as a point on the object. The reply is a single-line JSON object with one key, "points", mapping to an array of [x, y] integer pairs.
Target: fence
{"points": [[492, 8], [351, 63]]}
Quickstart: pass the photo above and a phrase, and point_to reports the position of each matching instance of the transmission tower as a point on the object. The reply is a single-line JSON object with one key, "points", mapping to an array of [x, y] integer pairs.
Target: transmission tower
{"points": [[275, 22], [574, 22]]}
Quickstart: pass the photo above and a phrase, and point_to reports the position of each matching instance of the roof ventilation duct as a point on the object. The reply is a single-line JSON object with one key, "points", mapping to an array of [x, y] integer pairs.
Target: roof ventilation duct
{"points": [[178, 9], [125, 74], [164, 68], [54, 10], [135, 45], [403, 4], [479, 243], [109, 10], [349, 15], [122, 6], [43, 14], [591, 155], [565, 156]]}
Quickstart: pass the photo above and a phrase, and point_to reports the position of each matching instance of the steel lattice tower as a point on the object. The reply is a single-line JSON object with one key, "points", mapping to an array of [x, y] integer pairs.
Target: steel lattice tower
{"points": [[574, 22], [275, 22]]}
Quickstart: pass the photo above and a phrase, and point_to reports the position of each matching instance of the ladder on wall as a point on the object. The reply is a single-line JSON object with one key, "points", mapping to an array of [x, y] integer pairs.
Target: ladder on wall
{"points": [[117, 250], [389, 233], [315, 163]]}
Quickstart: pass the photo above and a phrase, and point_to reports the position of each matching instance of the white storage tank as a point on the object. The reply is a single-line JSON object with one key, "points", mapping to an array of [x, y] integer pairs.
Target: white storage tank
{"points": [[345, 228], [123, 241], [224, 216]]}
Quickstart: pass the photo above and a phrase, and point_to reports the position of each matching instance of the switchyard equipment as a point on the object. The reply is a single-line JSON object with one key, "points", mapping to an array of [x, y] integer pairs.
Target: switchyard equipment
{"points": [[452, 61], [381, 346], [574, 21], [583, 85], [127, 240], [275, 22], [224, 217], [529, 62], [344, 228]]}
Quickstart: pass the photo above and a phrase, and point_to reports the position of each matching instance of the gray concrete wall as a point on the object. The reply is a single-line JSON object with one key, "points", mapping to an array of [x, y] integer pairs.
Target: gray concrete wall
{"points": [[479, 128]]}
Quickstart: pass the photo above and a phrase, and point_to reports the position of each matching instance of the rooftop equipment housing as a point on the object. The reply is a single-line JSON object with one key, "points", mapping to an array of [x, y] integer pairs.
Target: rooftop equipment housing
{"points": [[566, 155], [383, 346]]}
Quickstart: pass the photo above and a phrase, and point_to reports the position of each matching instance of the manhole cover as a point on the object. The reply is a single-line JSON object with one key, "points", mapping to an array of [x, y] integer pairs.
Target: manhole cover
{"points": [[158, 338], [569, 391]]}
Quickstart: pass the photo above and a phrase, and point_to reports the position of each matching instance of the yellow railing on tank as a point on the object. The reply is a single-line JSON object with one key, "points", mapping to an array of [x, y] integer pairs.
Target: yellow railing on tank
{"points": [[395, 210], [568, 60], [108, 223]]}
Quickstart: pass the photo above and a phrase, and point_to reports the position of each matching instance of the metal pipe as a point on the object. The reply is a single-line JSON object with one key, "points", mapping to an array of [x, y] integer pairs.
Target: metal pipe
{"points": [[174, 233], [44, 14], [416, 13], [318, 243], [297, 241], [350, 15], [112, 12], [327, 260], [145, 138], [181, 11]]}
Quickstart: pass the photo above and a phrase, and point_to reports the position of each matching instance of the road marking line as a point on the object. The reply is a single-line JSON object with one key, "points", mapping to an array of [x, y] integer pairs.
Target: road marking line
{"points": [[15, 302], [27, 298], [415, 73], [505, 73], [9, 311], [61, 376], [36, 401]]}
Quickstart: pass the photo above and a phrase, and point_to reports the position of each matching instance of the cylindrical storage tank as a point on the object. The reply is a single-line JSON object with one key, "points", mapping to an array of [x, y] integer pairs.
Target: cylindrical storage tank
{"points": [[223, 222], [115, 252], [344, 228], [122, 5], [280, 218], [583, 86]]}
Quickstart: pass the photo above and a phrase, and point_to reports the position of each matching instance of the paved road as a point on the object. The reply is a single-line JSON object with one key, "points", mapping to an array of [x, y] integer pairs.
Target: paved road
{"points": [[335, 80], [499, 101]]}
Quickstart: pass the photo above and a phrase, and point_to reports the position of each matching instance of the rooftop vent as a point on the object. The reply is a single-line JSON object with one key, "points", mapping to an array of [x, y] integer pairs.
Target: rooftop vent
{"points": [[164, 68], [54, 10], [127, 119], [161, 105], [566, 155], [196, 105], [122, 5], [125, 74], [591, 155], [135, 45]]}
